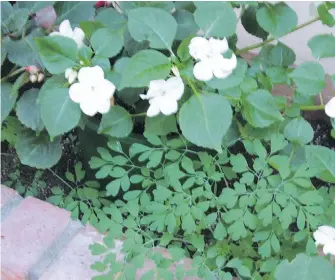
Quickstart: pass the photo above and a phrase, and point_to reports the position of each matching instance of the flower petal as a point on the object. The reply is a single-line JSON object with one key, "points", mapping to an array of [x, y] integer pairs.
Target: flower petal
{"points": [[225, 64], [329, 248], [168, 106], [65, 28], [88, 108], [153, 109], [155, 88], [91, 75], [78, 36], [199, 48], [174, 88], [104, 89], [202, 71], [79, 92], [103, 106], [328, 230], [330, 108], [218, 46]]}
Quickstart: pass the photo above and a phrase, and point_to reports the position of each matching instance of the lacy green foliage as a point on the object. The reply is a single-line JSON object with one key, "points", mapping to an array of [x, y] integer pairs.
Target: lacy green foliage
{"points": [[228, 181]]}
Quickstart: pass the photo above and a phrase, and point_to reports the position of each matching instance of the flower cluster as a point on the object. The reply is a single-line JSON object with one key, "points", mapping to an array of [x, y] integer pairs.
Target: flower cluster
{"points": [[66, 30], [325, 236], [35, 74], [211, 62], [93, 92]]}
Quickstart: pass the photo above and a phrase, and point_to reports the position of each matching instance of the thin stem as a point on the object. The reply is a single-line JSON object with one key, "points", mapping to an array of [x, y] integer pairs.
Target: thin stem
{"points": [[60, 178], [312, 107], [255, 46], [18, 71], [139, 114], [192, 85], [321, 98]]}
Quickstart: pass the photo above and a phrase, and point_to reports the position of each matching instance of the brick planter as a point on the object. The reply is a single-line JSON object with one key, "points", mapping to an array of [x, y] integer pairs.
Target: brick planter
{"points": [[41, 242]]}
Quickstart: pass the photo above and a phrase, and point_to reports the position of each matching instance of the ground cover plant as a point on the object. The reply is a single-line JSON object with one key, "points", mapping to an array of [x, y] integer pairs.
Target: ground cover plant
{"points": [[189, 148]]}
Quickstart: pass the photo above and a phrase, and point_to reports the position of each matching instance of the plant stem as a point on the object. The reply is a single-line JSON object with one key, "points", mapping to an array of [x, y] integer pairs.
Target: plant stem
{"points": [[255, 46], [18, 71], [139, 114], [312, 107], [60, 178], [192, 85]]}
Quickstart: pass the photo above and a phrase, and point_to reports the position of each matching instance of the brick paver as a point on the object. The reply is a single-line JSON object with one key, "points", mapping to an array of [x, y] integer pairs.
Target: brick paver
{"points": [[7, 194]]}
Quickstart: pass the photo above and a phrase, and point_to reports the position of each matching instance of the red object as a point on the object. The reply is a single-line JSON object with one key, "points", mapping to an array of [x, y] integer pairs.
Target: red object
{"points": [[100, 4], [32, 69]]}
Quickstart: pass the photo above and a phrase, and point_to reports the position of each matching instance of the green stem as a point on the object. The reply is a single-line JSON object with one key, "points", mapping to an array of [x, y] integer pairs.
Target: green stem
{"points": [[312, 107], [18, 71], [255, 46], [60, 178], [192, 86], [139, 114]]}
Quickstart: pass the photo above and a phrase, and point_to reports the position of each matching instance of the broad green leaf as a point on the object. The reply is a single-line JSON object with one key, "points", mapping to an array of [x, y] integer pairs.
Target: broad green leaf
{"points": [[239, 163], [59, 113], [322, 46], [33, 6], [38, 151], [7, 100], [204, 119], [28, 111], [106, 43], [322, 160], [75, 11], [216, 19], [282, 164], [186, 24], [145, 66], [232, 80], [281, 55], [126, 6], [309, 78], [56, 81], [57, 53], [183, 50], [154, 25], [24, 52], [16, 20], [251, 25], [160, 125], [260, 109], [116, 123], [6, 10], [89, 27], [220, 232], [110, 18], [278, 19], [299, 131], [305, 267], [325, 14]]}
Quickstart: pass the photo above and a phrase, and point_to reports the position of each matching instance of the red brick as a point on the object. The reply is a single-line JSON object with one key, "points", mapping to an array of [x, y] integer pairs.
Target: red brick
{"points": [[27, 233], [7, 194], [75, 259]]}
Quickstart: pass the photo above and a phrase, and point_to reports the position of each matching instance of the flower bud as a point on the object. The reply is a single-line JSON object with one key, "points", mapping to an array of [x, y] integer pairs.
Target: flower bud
{"points": [[33, 78], [32, 69], [40, 77]]}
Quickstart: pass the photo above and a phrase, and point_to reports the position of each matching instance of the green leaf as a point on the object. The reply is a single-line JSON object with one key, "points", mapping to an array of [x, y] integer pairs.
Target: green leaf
{"points": [[28, 111], [260, 109], [220, 232], [59, 113], [38, 151], [282, 164], [111, 19], [7, 100], [305, 268], [16, 20], [106, 43], [309, 78], [33, 6], [76, 11], [186, 24], [176, 253], [98, 249], [251, 25], [238, 265], [117, 122], [322, 161], [24, 52], [207, 127], [160, 125], [278, 19], [281, 55], [325, 15], [57, 53], [154, 25], [89, 27], [213, 16], [299, 131], [145, 66], [239, 163], [322, 46]]}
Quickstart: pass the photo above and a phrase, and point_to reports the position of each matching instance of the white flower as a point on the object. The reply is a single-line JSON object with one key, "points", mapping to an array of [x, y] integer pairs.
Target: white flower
{"points": [[325, 236], [33, 78], [40, 77], [93, 92], [330, 108], [211, 61], [71, 75], [65, 30], [163, 96]]}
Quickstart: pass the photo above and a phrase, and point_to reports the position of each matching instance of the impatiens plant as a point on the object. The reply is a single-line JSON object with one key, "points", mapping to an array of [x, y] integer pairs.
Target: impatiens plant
{"points": [[199, 156]]}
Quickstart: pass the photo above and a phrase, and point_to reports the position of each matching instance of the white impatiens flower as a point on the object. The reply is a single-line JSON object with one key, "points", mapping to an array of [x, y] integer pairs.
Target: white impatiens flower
{"points": [[65, 30], [211, 61], [71, 75], [163, 96], [330, 108], [325, 236], [93, 92]]}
